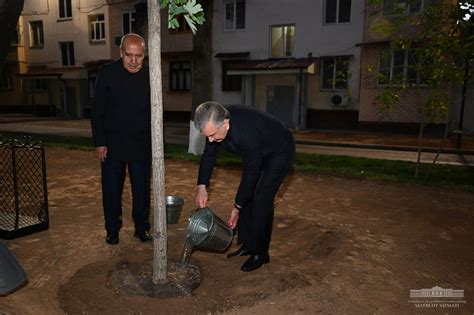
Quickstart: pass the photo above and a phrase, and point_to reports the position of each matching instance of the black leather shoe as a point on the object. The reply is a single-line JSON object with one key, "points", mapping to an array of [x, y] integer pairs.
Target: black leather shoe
{"points": [[255, 261], [143, 236], [112, 238], [242, 251]]}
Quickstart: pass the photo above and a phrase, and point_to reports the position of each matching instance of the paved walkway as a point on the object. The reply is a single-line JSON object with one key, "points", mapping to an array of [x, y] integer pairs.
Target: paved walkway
{"points": [[358, 144]]}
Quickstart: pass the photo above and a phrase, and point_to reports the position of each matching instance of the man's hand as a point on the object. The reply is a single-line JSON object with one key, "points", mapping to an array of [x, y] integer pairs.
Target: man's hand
{"points": [[234, 218], [201, 196], [101, 153]]}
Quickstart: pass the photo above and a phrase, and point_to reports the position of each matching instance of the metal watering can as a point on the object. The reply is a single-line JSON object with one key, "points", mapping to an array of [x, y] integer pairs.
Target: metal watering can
{"points": [[207, 230]]}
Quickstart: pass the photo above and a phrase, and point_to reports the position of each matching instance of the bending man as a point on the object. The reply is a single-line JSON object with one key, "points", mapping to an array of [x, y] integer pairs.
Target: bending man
{"points": [[267, 150]]}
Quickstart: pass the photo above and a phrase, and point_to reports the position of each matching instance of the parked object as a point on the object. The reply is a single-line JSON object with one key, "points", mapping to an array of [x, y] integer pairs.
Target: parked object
{"points": [[12, 274], [23, 190], [207, 230], [174, 205]]}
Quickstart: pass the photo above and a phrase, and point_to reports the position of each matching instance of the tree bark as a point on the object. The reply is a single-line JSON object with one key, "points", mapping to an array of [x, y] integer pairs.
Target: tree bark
{"points": [[202, 73], [160, 229]]}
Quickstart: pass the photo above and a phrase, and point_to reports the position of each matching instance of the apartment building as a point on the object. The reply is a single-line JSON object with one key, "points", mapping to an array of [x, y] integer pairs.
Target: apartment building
{"points": [[62, 43], [297, 60]]}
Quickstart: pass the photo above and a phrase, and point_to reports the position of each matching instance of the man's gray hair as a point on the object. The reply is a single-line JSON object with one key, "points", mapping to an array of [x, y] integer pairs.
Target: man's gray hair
{"points": [[132, 36], [210, 112]]}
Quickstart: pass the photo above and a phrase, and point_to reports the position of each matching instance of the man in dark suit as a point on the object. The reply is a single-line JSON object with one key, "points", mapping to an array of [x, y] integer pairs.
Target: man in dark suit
{"points": [[267, 150], [121, 130]]}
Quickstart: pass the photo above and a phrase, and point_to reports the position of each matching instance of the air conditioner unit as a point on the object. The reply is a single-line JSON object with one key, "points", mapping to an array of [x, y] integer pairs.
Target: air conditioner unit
{"points": [[339, 99]]}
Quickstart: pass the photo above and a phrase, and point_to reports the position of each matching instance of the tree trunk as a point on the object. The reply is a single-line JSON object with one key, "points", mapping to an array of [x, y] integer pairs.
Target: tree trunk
{"points": [[160, 228], [202, 74]]}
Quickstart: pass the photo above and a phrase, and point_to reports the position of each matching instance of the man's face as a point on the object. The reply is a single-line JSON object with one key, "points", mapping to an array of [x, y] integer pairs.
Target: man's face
{"points": [[132, 54], [213, 133]]}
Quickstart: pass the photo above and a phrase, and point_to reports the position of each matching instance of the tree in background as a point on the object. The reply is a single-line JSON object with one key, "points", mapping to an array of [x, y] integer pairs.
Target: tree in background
{"points": [[437, 47], [10, 11]]}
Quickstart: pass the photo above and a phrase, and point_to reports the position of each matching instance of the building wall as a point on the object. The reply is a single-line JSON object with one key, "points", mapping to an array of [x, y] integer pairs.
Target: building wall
{"points": [[406, 111], [56, 30], [312, 37]]}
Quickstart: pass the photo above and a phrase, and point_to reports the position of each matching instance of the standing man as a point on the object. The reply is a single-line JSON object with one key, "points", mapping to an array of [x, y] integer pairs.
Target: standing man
{"points": [[267, 150], [121, 130]]}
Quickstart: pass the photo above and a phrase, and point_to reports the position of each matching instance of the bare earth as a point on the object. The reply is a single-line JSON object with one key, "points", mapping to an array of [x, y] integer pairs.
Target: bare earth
{"points": [[340, 246]]}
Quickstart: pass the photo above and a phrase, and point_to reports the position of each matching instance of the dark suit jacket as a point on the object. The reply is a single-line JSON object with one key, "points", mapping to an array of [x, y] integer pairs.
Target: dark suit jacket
{"points": [[254, 136], [121, 112]]}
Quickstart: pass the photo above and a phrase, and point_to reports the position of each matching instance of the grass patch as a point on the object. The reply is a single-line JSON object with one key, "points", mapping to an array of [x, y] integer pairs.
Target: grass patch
{"points": [[442, 175]]}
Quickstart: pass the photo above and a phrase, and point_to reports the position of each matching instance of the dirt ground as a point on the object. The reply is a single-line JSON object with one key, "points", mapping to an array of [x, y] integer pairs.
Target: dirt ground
{"points": [[339, 246]]}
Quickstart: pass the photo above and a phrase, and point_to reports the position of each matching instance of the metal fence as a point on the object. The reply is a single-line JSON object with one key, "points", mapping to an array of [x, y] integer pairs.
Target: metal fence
{"points": [[23, 190]]}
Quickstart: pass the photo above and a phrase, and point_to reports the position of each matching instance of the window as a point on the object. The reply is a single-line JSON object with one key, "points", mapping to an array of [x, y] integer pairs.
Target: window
{"points": [[398, 67], [6, 78], [234, 14], [180, 76], [282, 41], [40, 85], [67, 53], [230, 82], [65, 9], [97, 27], [334, 73], [183, 26], [36, 34], [128, 23], [394, 7], [337, 11]]}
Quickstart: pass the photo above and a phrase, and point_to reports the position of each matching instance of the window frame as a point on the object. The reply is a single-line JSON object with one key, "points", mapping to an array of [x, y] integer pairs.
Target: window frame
{"points": [[97, 25], [405, 69], [67, 8], [336, 60], [407, 10], [284, 38], [234, 15], [336, 14], [131, 21], [180, 72], [71, 62], [36, 34]]}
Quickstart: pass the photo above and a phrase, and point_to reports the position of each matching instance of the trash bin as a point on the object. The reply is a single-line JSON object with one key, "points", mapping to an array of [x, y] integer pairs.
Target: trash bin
{"points": [[23, 190]]}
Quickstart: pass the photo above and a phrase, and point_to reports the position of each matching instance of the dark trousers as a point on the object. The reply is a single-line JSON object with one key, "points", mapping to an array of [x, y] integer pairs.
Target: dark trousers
{"points": [[256, 217], [113, 178]]}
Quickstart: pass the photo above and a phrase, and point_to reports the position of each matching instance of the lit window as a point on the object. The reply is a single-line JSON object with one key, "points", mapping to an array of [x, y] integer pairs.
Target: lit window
{"points": [[334, 72], [65, 9], [234, 14], [128, 22], [337, 11], [67, 53], [180, 76], [97, 27], [36, 34], [282, 41]]}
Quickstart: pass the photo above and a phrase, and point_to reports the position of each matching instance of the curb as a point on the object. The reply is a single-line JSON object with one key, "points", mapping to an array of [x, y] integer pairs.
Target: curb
{"points": [[384, 147]]}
